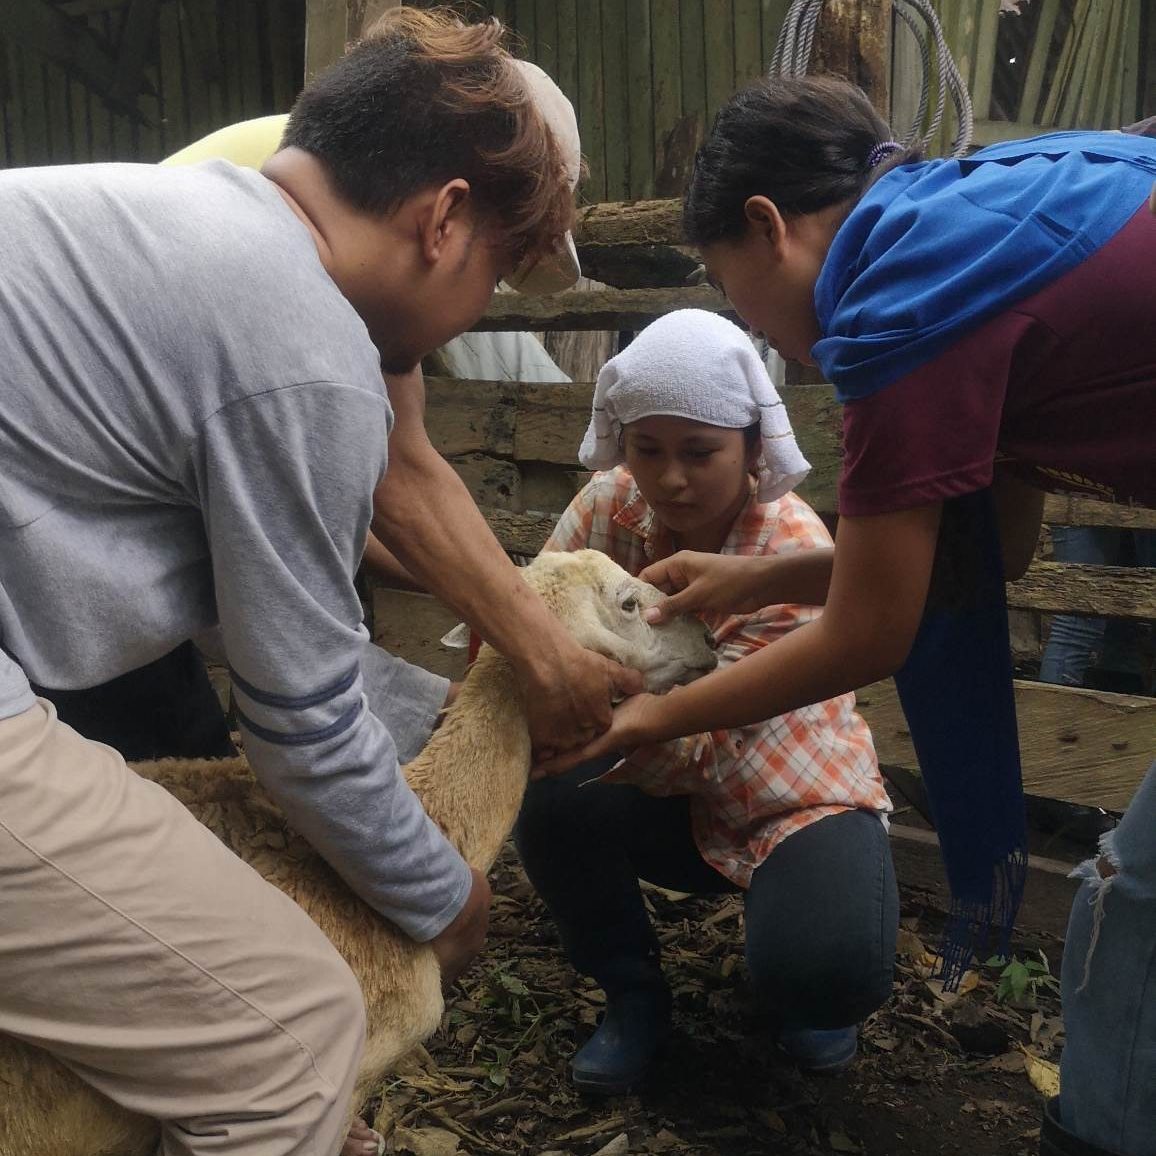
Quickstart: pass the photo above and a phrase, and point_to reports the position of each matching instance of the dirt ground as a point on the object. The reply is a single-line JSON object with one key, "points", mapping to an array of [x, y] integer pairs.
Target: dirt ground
{"points": [[936, 1074]]}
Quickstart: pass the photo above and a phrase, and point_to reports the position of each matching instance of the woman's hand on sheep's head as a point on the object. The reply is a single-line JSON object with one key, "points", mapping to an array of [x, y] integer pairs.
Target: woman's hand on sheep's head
{"points": [[634, 725], [568, 698]]}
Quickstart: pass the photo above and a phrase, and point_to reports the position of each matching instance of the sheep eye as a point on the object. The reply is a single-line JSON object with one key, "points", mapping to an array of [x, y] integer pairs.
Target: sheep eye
{"points": [[630, 605]]}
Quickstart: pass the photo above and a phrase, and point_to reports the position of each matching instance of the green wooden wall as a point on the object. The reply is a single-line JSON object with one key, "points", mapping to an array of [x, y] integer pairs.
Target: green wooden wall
{"points": [[635, 69], [207, 63]]}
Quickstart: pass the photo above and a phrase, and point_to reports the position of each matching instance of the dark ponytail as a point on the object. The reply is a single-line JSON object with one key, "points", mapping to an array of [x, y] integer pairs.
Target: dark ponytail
{"points": [[804, 142]]}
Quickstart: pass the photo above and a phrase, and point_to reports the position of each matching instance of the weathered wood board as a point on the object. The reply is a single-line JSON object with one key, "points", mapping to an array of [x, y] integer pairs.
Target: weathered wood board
{"points": [[1082, 746]]}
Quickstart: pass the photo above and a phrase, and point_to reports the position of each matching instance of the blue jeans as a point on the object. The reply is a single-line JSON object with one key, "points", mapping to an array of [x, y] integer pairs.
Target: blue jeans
{"points": [[1075, 640], [822, 911], [1108, 1070]]}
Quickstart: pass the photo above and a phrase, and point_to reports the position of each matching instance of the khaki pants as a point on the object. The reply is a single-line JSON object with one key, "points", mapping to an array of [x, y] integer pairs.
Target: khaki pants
{"points": [[157, 965]]}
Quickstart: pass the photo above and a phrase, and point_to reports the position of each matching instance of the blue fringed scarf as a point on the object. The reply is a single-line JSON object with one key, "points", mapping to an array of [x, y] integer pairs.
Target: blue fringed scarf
{"points": [[930, 253]]}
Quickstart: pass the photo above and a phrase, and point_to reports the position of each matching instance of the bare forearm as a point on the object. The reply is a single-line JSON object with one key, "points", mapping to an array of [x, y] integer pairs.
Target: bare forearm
{"points": [[425, 515], [807, 666], [802, 579], [384, 565]]}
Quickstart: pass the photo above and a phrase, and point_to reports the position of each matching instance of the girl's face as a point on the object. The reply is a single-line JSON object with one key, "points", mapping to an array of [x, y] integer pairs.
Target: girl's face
{"points": [[769, 274], [694, 476]]}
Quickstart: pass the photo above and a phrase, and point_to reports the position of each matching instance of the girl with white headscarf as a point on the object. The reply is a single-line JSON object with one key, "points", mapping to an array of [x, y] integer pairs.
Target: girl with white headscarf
{"points": [[698, 453]]}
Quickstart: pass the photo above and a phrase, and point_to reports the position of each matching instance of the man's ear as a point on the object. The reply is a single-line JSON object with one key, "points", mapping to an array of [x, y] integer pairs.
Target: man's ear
{"points": [[444, 219], [767, 222]]}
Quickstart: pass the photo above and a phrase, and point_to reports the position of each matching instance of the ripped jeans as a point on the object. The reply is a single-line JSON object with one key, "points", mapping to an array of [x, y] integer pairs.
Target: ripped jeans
{"points": [[1108, 1071]]}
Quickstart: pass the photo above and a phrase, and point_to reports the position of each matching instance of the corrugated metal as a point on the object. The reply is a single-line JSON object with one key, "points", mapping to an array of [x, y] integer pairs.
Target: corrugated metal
{"points": [[208, 62]]}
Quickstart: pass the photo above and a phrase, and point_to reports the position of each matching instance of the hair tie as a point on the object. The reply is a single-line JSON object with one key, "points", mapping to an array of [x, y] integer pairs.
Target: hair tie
{"points": [[882, 150]]}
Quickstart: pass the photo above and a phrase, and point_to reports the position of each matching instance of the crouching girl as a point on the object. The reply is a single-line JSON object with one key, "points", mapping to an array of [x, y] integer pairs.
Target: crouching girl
{"points": [[699, 454]]}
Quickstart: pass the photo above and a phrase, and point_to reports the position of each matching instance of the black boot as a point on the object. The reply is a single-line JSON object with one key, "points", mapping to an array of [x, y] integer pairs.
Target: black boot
{"points": [[1056, 1140], [622, 1049]]}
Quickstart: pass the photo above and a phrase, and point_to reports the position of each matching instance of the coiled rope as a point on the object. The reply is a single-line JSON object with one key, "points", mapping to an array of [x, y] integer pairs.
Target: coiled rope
{"points": [[796, 45]]}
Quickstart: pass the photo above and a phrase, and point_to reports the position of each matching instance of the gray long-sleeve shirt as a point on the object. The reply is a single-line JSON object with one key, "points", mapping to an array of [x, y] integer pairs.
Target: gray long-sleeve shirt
{"points": [[192, 422]]}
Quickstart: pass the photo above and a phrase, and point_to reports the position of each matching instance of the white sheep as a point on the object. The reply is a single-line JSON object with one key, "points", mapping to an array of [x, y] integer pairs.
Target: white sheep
{"points": [[470, 778]]}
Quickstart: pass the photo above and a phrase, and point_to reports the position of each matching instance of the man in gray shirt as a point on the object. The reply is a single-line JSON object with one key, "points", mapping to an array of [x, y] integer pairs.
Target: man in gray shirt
{"points": [[192, 425]]}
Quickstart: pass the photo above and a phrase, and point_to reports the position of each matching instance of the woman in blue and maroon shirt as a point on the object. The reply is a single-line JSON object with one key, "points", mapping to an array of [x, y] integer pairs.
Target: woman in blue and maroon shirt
{"points": [[989, 325]]}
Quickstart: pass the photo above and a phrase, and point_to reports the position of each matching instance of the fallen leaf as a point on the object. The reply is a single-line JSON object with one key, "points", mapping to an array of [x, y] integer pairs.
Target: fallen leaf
{"points": [[909, 944], [1044, 1075], [771, 1119], [426, 1142], [619, 1146], [841, 1142], [1008, 1062]]}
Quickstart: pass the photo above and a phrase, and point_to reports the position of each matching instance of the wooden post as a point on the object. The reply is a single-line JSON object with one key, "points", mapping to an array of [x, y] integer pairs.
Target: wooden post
{"points": [[854, 42], [331, 25]]}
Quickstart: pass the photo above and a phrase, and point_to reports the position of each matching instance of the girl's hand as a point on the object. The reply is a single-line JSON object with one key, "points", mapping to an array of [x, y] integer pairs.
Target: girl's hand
{"points": [[708, 584], [634, 725]]}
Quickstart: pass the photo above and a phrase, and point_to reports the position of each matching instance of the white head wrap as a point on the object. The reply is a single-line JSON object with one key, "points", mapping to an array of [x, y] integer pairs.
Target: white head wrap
{"points": [[700, 366]]}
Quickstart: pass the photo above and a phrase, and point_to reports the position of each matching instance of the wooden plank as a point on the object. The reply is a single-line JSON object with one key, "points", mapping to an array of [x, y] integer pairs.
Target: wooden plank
{"points": [[1075, 74], [986, 37], [18, 142], [641, 102], [545, 423], [194, 81], [523, 533], [719, 54], [5, 101], [173, 111], [59, 129], [616, 99], [1061, 510], [748, 42], [1064, 588], [411, 625], [773, 12], [39, 144], [526, 534], [613, 309], [666, 50], [642, 223], [546, 21], [1034, 81], [134, 46], [638, 266], [465, 417], [525, 18], [1107, 92], [326, 33], [873, 53], [567, 75], [591, 105], [1131, 105], [284, 69], [692, 45], [248, 52], [1094, 62], [1082, 746]]}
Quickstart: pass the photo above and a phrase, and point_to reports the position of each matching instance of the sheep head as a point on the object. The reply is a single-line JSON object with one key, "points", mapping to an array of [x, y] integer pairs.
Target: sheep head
{"points": [[602, 606]]}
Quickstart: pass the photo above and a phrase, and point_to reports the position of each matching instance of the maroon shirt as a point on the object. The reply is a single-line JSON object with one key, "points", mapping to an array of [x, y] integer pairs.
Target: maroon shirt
{"points": [[1060, 389]]}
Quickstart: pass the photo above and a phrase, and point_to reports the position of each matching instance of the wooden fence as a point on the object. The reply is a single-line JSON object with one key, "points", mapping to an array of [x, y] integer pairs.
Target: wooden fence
{"points": [[515, 444], [135, 80]]}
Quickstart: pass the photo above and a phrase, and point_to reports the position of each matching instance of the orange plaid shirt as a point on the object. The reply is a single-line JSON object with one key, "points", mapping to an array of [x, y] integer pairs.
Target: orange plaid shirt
{"points": [[751, 787]]}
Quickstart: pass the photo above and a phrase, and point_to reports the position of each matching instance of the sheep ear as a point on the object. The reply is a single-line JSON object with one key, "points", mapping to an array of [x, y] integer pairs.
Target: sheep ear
{"points": [[458, 638]]}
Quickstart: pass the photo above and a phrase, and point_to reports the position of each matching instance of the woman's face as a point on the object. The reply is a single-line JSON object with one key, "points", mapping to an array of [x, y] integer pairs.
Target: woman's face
{"points": [[769, 274], [694, 476]]}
